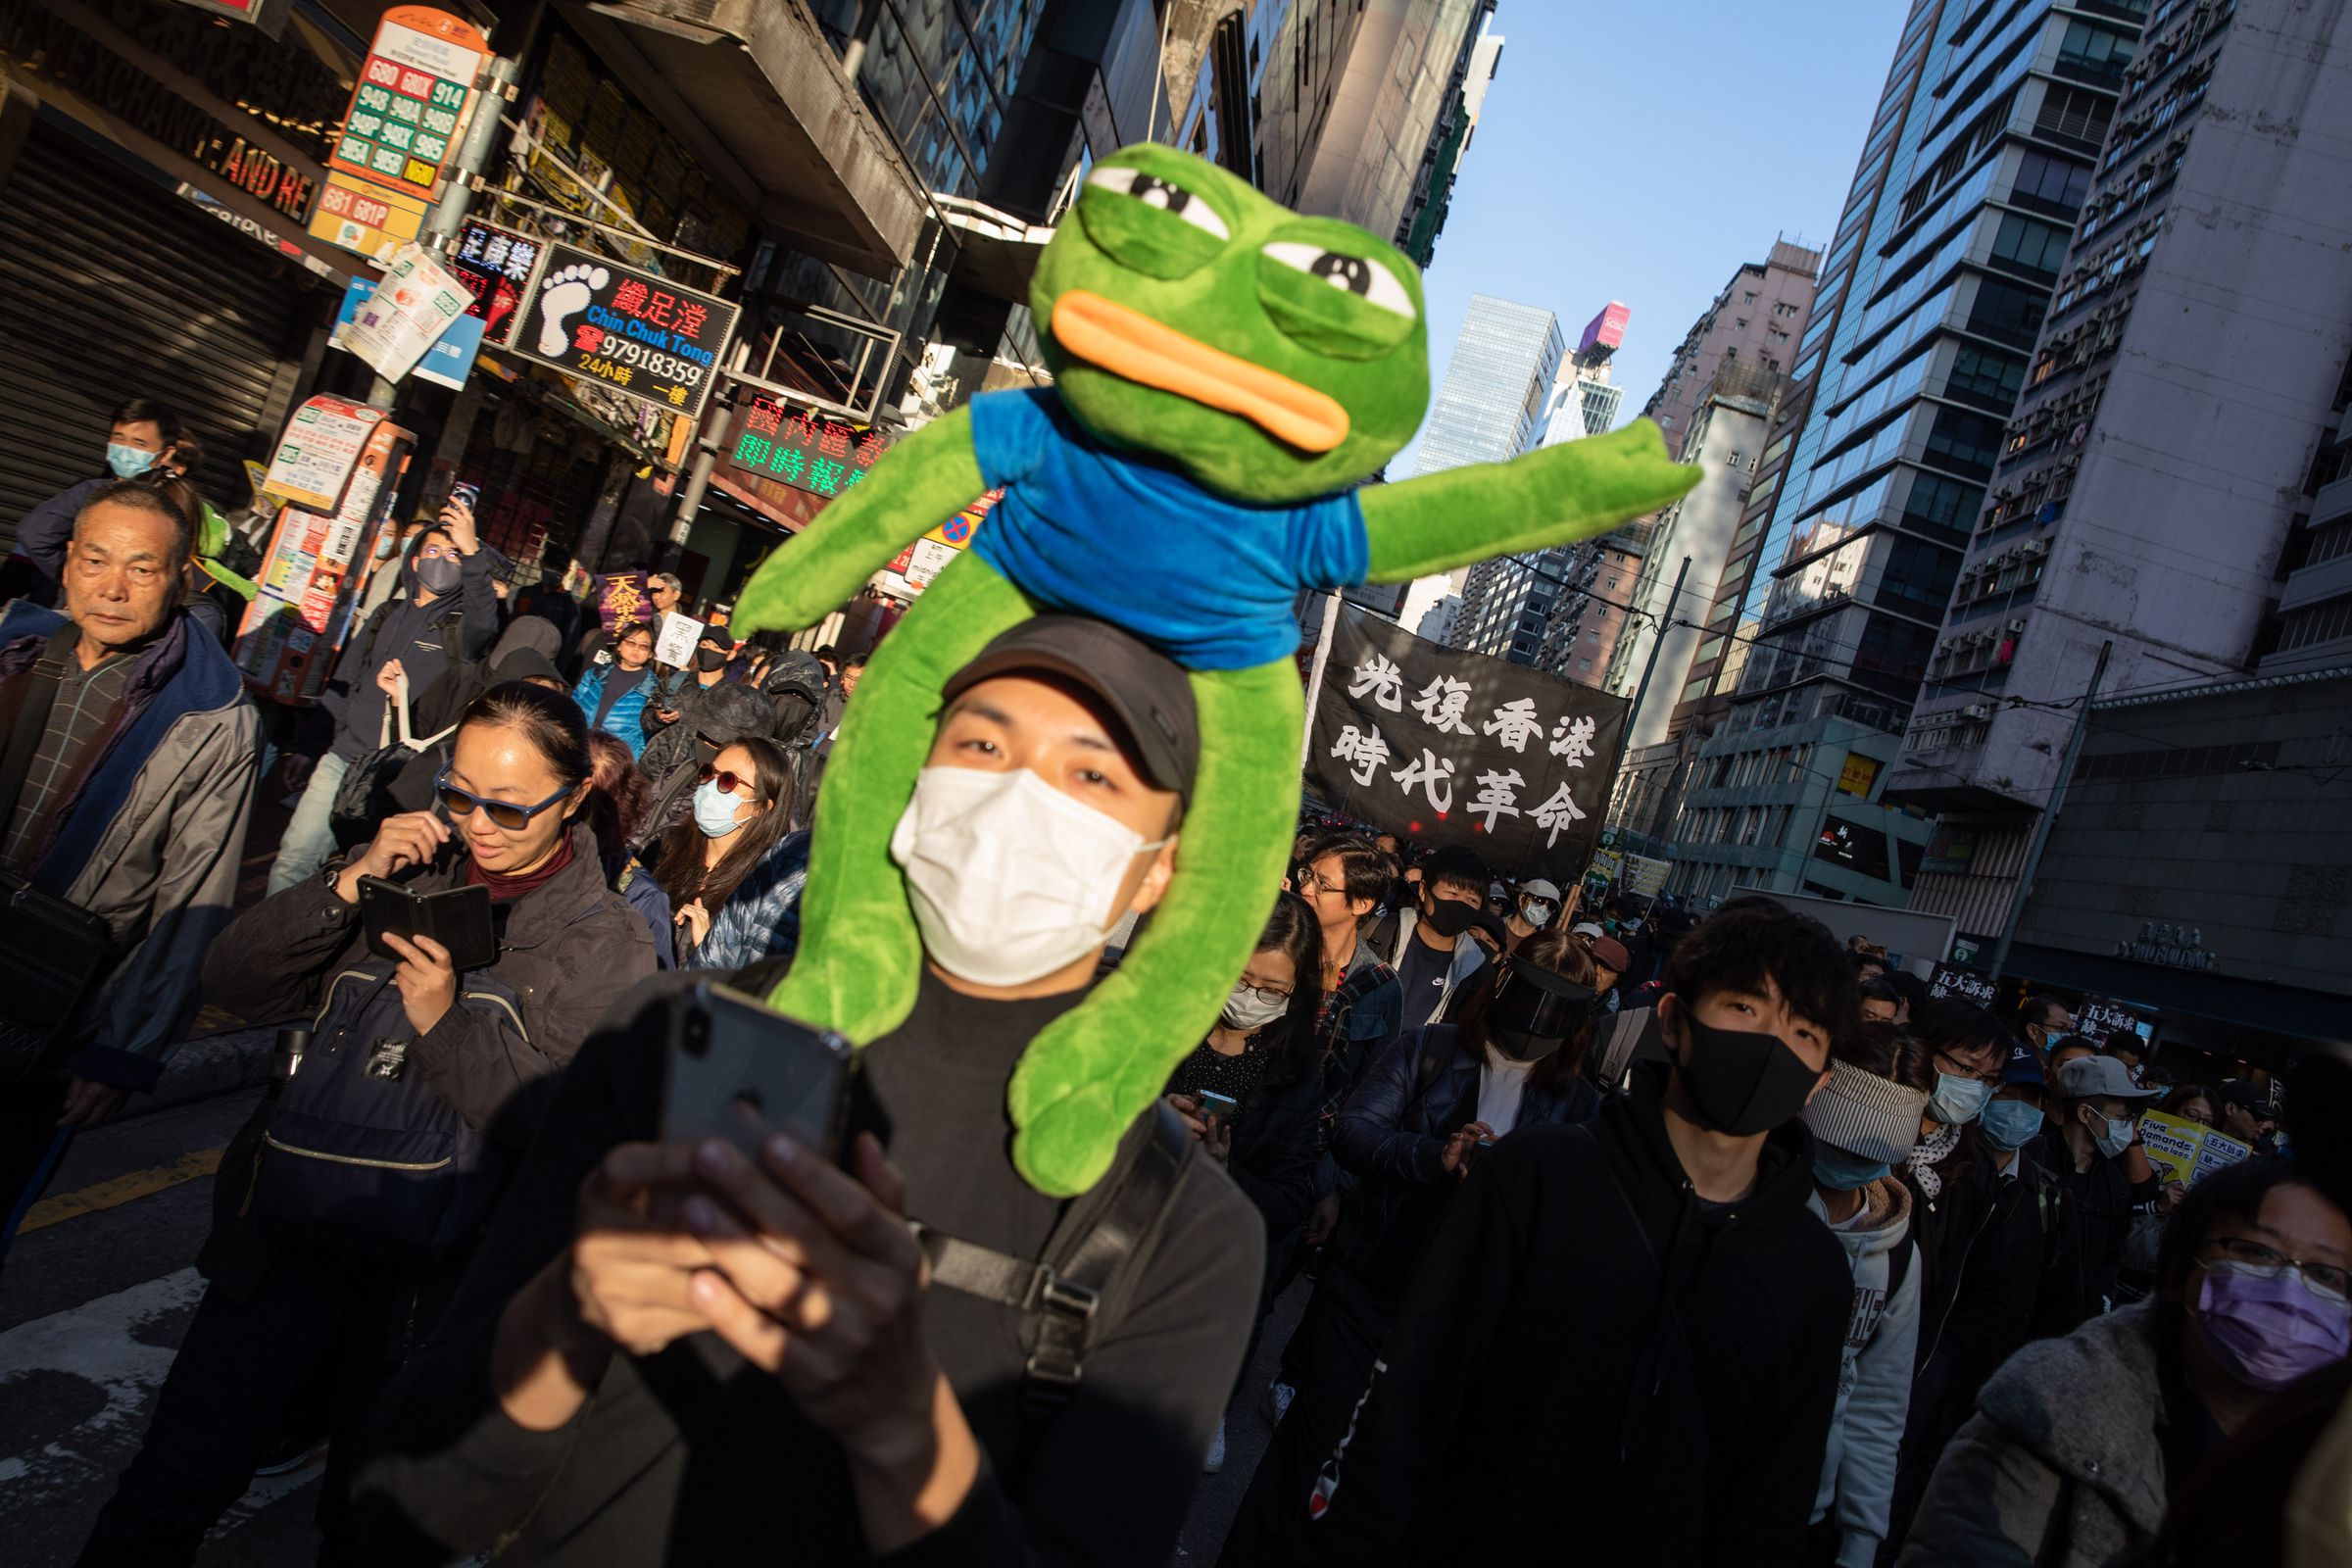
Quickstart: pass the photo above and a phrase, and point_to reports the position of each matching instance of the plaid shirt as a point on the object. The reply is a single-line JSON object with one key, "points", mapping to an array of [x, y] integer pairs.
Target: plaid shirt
{"points": [[86, 698]]}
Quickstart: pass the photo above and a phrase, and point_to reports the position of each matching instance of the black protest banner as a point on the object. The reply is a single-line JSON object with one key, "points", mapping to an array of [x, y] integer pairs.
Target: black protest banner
{"points": [[1951, 980], [1455, 748]]}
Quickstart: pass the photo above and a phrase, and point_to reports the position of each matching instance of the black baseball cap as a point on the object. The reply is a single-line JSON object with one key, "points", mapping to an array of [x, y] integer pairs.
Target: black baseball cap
{"points": [[1145, 691]]}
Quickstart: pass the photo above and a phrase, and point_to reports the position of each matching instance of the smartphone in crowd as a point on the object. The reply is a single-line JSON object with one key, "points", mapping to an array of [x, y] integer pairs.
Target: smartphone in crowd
{"points": [[469, 494], [458, 918], [1214, 1108], [739, 1071]]}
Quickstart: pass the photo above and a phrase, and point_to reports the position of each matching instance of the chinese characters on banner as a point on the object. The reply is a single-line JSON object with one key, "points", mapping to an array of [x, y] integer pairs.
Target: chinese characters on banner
{"points": [[1454, 748], [635, 333], [806, 451], [495, 264], [624, 596], [1951, 980], [409, 100]]}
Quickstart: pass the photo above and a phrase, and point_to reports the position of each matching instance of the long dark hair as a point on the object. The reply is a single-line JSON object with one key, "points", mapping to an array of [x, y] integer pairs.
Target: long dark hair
{"points": [[1563, 954], [681, 873], [1291, 929]]}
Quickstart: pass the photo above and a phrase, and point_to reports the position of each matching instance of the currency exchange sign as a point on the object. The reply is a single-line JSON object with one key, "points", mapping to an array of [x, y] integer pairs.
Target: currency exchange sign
{"points": [[635, 333], [409, 104], [1457, 747]]}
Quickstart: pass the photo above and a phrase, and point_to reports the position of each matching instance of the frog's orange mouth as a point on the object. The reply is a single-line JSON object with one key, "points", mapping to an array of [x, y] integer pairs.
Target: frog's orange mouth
{"points": [[1133, 346]]}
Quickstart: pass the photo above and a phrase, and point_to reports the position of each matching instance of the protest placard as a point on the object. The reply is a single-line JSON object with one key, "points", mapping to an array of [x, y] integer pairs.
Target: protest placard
{"points": [[2183, 1151], [675, 646]]}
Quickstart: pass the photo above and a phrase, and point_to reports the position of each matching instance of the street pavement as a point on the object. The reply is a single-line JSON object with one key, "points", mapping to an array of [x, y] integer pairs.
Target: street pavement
{"points": [[98, 1291]]}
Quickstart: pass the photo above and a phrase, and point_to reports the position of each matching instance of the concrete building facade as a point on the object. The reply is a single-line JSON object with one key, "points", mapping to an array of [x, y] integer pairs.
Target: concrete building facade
{"points": [[1756, 319], [1932, 293], [2186, 384]]}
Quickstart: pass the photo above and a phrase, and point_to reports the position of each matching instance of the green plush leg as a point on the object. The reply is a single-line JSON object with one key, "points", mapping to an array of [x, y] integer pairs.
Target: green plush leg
{"points": [[859, 957], [1549, 497], [1088, 1075]]}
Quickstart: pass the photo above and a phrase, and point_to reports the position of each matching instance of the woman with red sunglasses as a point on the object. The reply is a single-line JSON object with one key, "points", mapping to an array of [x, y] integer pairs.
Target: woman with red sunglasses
{"points": [[732, 871]]}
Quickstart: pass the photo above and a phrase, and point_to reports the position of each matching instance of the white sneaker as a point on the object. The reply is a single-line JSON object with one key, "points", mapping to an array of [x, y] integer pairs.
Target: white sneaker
{"points": [[1216, 1451], [1278, 1401]]}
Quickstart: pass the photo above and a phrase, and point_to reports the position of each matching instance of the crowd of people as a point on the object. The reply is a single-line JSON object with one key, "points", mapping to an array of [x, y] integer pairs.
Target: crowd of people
{"points": [[1623, 1235]]}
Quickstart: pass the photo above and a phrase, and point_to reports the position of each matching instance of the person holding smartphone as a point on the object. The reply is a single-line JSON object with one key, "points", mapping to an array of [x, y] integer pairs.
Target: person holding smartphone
{"points": [[670, 1353], [512, 816]]}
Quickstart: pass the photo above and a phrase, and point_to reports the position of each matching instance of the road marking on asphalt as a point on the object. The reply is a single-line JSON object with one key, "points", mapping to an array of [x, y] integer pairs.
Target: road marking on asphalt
{"points": [[122, 1188]]}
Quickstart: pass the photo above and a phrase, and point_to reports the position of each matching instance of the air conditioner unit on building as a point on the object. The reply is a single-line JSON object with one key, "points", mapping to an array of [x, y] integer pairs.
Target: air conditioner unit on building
{"points": [[1976, 712], [2016, 626]]}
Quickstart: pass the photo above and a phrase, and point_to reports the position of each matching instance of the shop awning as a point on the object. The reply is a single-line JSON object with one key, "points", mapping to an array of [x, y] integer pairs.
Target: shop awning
{"points": [[761, 81]]}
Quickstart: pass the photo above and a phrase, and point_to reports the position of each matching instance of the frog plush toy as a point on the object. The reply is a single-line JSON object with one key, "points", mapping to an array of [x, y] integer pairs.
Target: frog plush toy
{"points": [[1227, 373]]}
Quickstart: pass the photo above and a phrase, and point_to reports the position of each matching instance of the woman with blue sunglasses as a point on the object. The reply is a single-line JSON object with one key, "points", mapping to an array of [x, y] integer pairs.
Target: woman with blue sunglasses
{"points": [[418, 1084]]}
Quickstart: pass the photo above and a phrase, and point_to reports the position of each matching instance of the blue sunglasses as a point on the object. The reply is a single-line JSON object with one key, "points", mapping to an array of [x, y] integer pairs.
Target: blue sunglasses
{"points": [[502, 814]]}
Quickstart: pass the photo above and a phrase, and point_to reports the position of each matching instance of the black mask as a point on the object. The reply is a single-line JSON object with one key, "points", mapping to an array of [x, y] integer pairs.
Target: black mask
{"points": [[1741, 1082], [707, 660], [1449, 917]]}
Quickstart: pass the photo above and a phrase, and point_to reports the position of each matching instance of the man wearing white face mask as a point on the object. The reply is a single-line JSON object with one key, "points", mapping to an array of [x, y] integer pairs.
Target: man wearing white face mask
{"points": [[908, 1417], [1538, 902]]}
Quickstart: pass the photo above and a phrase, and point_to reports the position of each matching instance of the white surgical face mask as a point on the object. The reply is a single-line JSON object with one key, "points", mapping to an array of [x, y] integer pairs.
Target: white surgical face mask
{"points": [[1010, 878], [1535, 912], [1250, 1009]]}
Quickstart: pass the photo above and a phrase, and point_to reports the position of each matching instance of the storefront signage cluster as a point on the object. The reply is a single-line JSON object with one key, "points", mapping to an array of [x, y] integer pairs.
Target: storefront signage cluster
{"points": [[495, 262], [632, 331], [806, 451], [409, 104]]}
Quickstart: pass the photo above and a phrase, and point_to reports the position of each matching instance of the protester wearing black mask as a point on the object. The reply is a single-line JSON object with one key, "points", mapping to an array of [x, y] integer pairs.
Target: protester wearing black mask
{"points": [[1428, 951], [667, 701], [1670, 1243], [1433, 1106]]}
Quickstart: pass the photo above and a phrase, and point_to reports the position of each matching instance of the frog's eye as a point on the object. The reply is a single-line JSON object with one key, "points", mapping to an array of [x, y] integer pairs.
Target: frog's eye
{"points": [[1153, 191], [1366, 280]]}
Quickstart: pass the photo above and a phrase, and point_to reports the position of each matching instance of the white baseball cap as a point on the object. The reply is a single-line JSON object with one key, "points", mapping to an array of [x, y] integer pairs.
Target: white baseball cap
{"points": [[1538, 888]]}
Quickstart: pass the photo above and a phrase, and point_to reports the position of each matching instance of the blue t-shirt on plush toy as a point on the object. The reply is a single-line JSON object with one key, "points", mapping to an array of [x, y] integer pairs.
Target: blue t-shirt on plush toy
{"points": [[1087, 529]]}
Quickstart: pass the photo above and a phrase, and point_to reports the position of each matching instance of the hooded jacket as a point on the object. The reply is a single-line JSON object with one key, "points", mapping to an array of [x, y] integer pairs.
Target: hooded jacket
{"points": [[1593, 1356], [2061, 1465], [671, 760], [1873, 1374], [1468, 958], [148, 837]]}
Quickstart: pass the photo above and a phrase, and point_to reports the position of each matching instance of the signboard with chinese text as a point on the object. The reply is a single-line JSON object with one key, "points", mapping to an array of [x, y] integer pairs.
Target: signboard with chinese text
{"points": [[364, 218], [1457, 748], [317, 564], [630, 333], [675, 645], [495, 264], [406, 313], [409, 104], [804, 450], [447, 362], [621, 597], [1951, 980], [321, 448], [2183, 1151]]}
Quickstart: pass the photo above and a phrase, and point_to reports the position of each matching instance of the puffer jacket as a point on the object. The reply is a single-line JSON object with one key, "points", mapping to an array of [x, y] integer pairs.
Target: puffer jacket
{"points": [[566, 951], [626, 720], [149, 838], [761, 917], [2060, 1466], [1873, 1373], [1391, 1133]]}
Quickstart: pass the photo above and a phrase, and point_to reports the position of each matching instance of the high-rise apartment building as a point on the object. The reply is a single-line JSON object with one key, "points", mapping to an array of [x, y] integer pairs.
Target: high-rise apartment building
{"points": [[2147, 495], [1353, 98], [1932, 296], [1489, 405], [1756, 319], [1450, 141]]}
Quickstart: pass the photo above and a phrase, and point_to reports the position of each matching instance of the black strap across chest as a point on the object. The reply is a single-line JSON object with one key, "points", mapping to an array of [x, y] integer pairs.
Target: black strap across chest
{"points": [[32, 720]]}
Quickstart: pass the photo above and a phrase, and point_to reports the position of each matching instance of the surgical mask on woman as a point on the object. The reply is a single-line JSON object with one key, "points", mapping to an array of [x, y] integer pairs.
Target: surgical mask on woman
{"points": [[2008, 1123], [1251, 1008], [1843, 1171], [714, 810], [2267, 1325], [1010, 878], [1957, 1100]]}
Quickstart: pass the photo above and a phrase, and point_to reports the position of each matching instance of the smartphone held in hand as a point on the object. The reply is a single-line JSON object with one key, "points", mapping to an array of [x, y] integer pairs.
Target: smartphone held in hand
{"points": [[458, 918], [738, 1071], [1216, 1110]]}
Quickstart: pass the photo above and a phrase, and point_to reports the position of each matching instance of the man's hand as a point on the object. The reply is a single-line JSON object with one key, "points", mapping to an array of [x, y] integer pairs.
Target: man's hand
{"points": [[457, 518], [391, 679], [1323, 1220], [91, 1104]]}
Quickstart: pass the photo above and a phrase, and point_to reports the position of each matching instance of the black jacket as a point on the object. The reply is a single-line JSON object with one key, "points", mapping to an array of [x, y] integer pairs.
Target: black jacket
{"points": [[2091, 1220], [1546, 1396], [1392, 1135], [1277, 1142]]}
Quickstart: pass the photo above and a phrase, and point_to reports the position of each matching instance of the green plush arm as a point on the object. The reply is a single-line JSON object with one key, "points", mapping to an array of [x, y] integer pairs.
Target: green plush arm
{"points": [[915, 486], [1549, 497]]}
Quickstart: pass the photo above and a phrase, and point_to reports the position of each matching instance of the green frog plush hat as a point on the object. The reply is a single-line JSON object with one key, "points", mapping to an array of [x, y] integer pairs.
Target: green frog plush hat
{"points": [[1227, 375]]}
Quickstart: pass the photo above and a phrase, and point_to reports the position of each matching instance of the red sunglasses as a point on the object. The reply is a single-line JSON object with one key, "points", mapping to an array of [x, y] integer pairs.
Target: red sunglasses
{"points": [[729, 782]]}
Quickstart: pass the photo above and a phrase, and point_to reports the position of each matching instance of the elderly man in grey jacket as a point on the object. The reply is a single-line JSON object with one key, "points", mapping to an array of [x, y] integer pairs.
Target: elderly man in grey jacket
{"points": [[127, 755]]}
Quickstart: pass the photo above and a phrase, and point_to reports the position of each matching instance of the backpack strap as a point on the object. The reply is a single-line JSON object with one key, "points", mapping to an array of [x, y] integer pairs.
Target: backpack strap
{"points": [[1077, 1290]]}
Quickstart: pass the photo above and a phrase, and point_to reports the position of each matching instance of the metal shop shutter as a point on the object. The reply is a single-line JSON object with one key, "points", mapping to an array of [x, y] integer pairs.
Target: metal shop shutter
{"points": [[112, 287]]}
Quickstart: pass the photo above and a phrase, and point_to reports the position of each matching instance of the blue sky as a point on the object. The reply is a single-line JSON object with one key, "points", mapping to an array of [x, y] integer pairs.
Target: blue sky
{"points": [[1640, 153]]}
